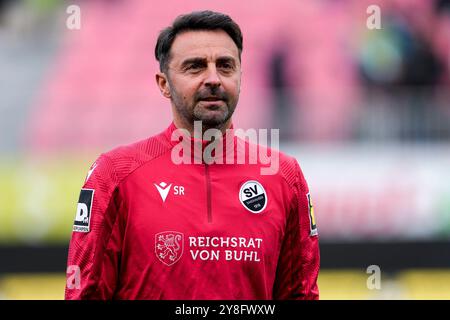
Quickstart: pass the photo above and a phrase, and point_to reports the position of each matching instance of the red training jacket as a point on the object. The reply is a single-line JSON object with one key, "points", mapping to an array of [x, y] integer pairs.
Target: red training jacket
{"points": [[148, 228]]}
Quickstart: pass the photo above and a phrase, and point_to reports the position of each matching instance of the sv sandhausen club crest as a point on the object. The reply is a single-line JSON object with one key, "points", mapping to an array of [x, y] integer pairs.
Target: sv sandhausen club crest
{"points": [[169, 246], [253, 196]]}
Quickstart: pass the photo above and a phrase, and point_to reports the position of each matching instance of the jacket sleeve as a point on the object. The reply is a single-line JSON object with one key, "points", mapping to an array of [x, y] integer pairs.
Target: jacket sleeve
{"points": [[95, 246], [299, 260]]}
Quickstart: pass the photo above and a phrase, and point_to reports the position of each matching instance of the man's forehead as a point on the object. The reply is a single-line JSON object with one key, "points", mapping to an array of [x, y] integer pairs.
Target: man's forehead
{"points": [[203, 44]]}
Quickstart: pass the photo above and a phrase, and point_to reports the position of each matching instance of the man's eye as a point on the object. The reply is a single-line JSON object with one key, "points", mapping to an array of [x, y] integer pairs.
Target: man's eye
{"points": [[227, 66], [195, 66]]}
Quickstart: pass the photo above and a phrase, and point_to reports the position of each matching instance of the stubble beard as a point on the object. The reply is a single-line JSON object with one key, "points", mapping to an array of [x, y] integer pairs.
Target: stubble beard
{"points": [[214, 116]]}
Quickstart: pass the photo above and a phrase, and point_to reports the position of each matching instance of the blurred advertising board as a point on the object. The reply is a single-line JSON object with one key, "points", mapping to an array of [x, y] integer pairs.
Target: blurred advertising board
{"points": [[38, 197], [378, 192], [358, 191]]}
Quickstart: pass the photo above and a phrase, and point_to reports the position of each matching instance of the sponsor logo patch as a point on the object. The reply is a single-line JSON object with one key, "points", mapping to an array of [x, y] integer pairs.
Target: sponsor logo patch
{"points": [[312, 218], [169, 246], [253, 196], [84, 207]]}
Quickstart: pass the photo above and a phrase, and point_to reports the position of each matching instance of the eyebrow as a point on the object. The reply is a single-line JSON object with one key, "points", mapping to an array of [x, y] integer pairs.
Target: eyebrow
{"points": [[202, 60], [192, 60], [226, 59]]}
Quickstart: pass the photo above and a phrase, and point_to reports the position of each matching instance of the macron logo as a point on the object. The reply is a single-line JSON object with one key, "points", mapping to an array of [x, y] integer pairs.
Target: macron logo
{"points": [[163, 190]]}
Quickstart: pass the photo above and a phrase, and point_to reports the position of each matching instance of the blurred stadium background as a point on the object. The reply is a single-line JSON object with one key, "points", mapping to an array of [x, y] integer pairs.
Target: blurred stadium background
{"points": [[366, 113]]}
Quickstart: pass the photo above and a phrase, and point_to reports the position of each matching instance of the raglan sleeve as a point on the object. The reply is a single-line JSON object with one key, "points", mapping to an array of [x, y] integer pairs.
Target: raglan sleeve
{"points": [[299, 259], [95, 245]]}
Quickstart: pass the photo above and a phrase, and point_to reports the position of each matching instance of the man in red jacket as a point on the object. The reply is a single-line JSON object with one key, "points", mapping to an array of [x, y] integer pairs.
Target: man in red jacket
{"points": [[183, 216]]}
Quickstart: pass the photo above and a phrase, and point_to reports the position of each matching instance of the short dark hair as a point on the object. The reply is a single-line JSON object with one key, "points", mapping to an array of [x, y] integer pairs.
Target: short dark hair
{"points": [[197, 20]]}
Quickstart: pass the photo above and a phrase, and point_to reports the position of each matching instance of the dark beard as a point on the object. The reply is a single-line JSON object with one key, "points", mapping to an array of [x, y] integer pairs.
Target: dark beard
{"points": [[209, 122], [198, 113]]}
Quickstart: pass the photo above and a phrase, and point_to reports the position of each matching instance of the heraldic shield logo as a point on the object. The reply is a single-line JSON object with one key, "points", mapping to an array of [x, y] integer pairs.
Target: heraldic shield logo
{"points": [[169, 246]]}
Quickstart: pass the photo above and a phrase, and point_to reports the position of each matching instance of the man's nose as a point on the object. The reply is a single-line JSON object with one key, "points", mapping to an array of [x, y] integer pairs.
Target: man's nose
{"points": [[212, 77]]}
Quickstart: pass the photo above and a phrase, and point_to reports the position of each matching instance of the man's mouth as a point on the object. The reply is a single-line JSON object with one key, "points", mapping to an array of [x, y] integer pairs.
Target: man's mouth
{"points": [[211, 99], [212, 104]]}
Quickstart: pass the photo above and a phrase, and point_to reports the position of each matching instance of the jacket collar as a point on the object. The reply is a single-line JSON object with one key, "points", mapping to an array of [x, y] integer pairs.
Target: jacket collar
{"points": [[202, 151]]}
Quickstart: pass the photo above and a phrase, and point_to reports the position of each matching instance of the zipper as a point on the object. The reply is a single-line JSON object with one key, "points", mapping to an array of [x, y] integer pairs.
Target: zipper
{"points": [[208, 193]]}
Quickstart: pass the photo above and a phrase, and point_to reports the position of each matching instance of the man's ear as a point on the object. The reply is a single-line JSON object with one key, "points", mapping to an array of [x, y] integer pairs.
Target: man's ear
{"points": [[163, 84]]}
